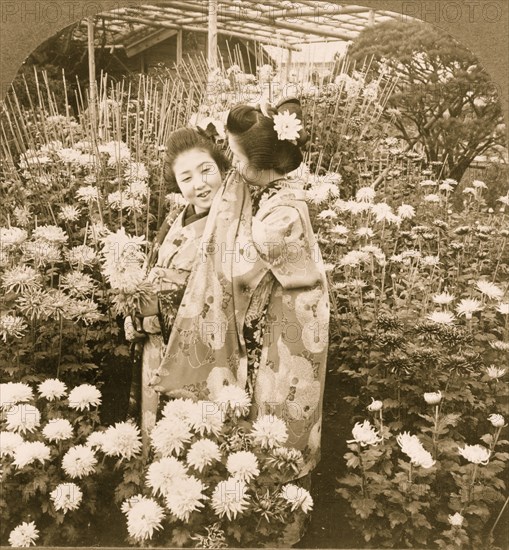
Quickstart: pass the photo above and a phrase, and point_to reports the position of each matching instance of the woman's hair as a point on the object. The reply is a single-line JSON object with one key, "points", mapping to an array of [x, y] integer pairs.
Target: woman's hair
{"points": [[183, 140], [256, 136]]}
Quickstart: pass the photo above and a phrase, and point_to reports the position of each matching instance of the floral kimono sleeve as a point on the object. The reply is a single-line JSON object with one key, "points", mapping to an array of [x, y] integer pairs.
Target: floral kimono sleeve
{"points": [[282, 240]]}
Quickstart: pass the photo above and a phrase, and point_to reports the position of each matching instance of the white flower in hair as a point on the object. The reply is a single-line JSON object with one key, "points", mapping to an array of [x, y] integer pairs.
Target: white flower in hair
{"points": [[287, 126]]}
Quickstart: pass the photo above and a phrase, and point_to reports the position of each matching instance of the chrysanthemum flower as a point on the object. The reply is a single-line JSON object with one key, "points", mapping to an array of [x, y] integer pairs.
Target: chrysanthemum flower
{"points": [[382, 211], [269, 431], [495, 372], [183, 409], [58, 429], [497, 420], [366, 194], [413, 448], [287, 125], [443, 298], [122, 440], [365, 232], [490, 290], [66, 497], [69, 213], [50, 233], [441, 317], [234, 399], [12, 393], [243, 465], [185, 497], [52, 389], [96, 440], [81, 256], [365, 434], [499, 345], [11, 325], [79, 461], [503, 308], [297, 497], [77, 283], [476, 454], [23, 417], [144, 516], [162, 474], [29, 451], [203, 453], [9, 441], [478, 184], [21, 279], [207, 418], [468, 306], [432, 197], [83, 397], [339, 230], [169, 436], [456, 520], [285, 459], [375, 405], [32, 303], [230, 498], [406, 212], [12, 236], [24, 535]]}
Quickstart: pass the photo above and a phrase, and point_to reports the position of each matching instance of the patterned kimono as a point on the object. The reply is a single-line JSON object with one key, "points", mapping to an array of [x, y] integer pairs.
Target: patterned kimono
{"points": [[255, 312], [169, 264]]}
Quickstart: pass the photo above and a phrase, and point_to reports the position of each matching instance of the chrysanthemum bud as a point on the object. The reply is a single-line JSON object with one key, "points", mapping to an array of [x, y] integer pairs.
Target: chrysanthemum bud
{"points": [[433, 398], [456, 520], [497, 420], [375, 405]]}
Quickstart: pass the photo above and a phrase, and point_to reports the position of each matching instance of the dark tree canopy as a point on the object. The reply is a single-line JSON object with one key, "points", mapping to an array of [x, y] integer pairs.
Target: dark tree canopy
{"points": [[444, 100]]}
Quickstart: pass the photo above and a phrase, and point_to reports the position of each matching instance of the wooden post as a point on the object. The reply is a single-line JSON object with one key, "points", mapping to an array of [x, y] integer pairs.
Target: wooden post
{"points": [[179, 46], [212, 36], [92, 93]]}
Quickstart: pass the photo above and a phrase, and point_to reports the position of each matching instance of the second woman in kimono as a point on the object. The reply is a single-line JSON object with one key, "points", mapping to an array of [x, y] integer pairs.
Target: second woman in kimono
{"points": [[194, 166]]}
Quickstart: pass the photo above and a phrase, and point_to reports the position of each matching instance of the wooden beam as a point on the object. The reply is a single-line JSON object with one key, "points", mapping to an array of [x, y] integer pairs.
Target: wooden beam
{"points": [[277, 23], [221, 30], [212, 36], [149, 41]]}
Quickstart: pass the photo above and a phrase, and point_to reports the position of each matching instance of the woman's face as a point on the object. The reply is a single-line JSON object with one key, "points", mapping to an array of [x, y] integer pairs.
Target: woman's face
{"points": [[198, 178]]}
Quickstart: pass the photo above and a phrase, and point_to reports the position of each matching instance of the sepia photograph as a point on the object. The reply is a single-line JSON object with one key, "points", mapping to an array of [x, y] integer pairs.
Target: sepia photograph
{"points": [[254, 275]]}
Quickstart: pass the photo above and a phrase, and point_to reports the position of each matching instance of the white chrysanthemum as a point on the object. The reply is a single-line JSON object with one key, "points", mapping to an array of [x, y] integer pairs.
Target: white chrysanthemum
{"points": [[202, 453], [66, 497], [495, 372], [23, 417], [375, 405], [243, 465], [81, 256], [41, 252], [52, 389], [406, 211], [497, 420], [9, 441], [32, 303], [430, 261], [432, 197], [20, 279], [413, 448], [207, 418], [144, 516], [77, 283], [24, 535], [433, 397], [12, 393], [122, 440], [468, 306], [10, 325], [269, 431], [382, 211], [365, 434], [366, 194], [56, 304], [353, 258], [88, 194], [86, 311], [84, 396], [69, 213], [499, 345], [287, 125], [163, 473], [490, 290], [95, 440], [79, 461], [12, 236], [441, 317], [50, 233], [477, 454], [447, 187], [427, 183], [327, 214], [169, 436], [478, 184], [136, 171], [58, 429], [455, 520], [22, 215], [365, 232], [234, 399], [443, 298], [185, 497], [503, 308], [340, 230], [230, 498], [118, 152], [183, 409], [297, 497], [29, 451]]}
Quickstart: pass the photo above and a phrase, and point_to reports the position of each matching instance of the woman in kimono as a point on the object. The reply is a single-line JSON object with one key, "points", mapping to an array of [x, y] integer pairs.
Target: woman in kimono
{"points": [[194, 166], [256, 309]]}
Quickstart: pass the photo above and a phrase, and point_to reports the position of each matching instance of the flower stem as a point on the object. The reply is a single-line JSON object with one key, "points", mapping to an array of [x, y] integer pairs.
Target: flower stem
{"points": [[435, 433]]}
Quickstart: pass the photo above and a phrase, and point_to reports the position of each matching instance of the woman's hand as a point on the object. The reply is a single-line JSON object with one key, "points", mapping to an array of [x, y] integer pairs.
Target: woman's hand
{"points": [[131, 334]]}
